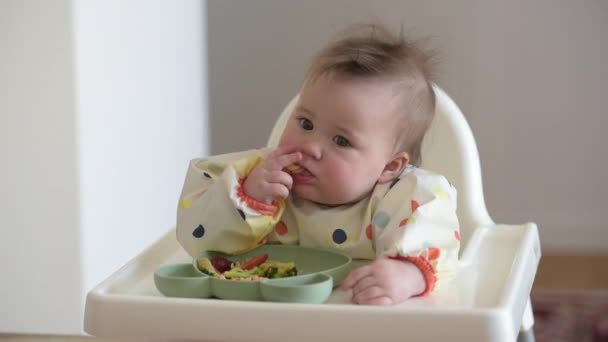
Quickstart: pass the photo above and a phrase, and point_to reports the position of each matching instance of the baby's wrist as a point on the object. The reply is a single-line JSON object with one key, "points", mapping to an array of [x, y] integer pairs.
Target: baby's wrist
{"points": [[249, 189], [422, 280], [252, 187], [252, 202]]}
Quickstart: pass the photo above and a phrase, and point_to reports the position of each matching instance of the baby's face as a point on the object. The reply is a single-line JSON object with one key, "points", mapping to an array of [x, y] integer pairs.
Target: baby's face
{"points": [[346, 132]]}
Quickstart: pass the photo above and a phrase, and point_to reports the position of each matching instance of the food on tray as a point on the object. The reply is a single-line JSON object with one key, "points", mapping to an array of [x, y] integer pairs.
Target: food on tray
{"points": [[255, 268]]}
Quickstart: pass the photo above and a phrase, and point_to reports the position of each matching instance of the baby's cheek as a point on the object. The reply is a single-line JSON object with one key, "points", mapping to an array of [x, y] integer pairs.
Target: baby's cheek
{"points": [[285, 141], [339, 173], [286, 138], [291, 135], [351, 179]]}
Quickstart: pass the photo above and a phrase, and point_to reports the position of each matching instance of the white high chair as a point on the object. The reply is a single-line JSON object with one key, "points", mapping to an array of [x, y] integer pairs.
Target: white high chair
{"points": [[488, 300]]}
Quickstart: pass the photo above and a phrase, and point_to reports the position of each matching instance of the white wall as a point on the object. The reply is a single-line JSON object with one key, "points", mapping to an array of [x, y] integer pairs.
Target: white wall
{"points": [[102, 104], [39, 258], [141, 98], [529, 76]]}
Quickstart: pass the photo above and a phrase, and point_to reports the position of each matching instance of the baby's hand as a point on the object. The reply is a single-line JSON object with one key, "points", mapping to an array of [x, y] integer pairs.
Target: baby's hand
{"points": [[384, 282], [267, 180]]}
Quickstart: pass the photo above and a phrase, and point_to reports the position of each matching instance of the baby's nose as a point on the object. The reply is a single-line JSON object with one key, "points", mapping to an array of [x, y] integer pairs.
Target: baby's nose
{"points": [[312, 150]]}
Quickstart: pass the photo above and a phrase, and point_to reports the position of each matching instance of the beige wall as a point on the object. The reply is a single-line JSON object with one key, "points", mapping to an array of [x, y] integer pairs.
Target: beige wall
{"points": [[529, 76]]}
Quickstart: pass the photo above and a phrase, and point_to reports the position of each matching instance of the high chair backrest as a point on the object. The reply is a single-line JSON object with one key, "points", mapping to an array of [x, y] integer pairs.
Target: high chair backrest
{"points": [[449, 149]]}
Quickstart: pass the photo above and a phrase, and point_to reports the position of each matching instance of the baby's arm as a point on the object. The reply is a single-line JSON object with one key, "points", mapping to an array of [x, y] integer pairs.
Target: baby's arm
{"points": [[417, 240], [216, 213]]}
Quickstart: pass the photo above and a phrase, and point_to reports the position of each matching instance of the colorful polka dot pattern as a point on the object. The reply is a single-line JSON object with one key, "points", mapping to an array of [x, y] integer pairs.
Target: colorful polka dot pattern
{"points": [[369, 231], [185, 204], [281, 228], [199, 232], [242, 214], [414, 204], [440, 193], [433, 253], [339, 236], [412, 219], [381, 219]]}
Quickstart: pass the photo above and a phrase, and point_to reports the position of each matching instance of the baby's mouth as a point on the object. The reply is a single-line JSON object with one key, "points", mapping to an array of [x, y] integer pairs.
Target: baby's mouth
{"points": [[299, 173]]}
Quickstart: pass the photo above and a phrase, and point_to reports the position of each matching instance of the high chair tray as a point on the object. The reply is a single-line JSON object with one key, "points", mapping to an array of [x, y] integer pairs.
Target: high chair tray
{"points": [[485, 302]]}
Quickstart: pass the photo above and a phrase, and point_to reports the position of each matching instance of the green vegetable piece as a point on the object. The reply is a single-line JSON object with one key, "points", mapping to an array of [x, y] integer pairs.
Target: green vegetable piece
{"points": [[237, 272], [277, 269], [271, 272]]}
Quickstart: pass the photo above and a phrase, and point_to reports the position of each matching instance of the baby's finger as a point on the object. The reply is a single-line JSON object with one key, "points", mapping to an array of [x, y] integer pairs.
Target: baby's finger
{"points": [[286, 159], [280, 150], [355, 276], [364, 284], [381, 301], [368, 294], [280, 177], [276, 152]]}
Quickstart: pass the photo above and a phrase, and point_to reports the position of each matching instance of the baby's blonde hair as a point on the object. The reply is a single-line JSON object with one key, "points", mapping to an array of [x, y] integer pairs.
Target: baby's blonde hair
{"points": [[371, 51]]}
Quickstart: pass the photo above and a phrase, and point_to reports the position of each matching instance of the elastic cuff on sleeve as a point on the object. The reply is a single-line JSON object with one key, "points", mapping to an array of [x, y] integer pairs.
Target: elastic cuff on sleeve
{"points": [[425, 267], [261, 207]]}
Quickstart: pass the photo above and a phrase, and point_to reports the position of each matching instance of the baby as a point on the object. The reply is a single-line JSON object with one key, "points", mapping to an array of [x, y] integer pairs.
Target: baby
{"points": [[344, 176]]}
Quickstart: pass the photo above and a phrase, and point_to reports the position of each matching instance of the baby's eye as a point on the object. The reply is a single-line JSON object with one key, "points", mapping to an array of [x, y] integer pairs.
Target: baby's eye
{"points": [[341, 141], [306, 124]]}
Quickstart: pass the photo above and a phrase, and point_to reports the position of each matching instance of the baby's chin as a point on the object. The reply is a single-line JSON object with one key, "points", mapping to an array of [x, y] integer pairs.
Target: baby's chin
{"points": [[326, 201]]}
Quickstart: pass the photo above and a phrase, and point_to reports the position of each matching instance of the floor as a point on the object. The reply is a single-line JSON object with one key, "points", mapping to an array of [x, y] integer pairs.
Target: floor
{"points": [[554, 272], [583, 272]]}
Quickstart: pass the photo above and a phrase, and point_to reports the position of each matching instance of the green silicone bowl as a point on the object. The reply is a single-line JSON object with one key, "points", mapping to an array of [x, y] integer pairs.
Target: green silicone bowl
{"points": [[181, 280], [318, 272], [310, 288]]}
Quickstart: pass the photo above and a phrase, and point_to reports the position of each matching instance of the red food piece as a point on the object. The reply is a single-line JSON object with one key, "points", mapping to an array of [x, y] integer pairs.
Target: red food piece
{"points": [[255, 261], [221, 264]]}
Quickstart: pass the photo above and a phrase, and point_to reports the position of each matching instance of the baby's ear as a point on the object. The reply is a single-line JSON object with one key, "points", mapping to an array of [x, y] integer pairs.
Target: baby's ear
{"points": [[394, 167]]}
